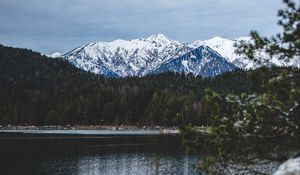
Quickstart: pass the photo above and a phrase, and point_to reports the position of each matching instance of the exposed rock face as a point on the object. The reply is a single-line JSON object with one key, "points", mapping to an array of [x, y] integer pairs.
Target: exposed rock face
{"points": [[158, 53]]}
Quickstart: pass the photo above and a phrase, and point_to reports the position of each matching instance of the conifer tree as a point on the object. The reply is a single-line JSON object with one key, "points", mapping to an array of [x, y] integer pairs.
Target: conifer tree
{"points": [[249, 127]]}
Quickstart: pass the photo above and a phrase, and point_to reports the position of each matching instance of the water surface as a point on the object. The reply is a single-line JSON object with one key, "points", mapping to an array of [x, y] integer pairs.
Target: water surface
{"points": [[90, 153]]}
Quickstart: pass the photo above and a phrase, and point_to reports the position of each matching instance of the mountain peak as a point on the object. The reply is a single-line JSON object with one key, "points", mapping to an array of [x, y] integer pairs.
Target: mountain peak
{"points": [[127, 57], [217, 38], [138, 57], [158, 37]]}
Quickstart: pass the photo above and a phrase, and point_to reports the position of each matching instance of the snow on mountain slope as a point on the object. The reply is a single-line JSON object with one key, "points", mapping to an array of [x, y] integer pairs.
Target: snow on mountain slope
{"points": [[127, 58], [201, 61], [139, 57], [54, 55], [225, 47]]}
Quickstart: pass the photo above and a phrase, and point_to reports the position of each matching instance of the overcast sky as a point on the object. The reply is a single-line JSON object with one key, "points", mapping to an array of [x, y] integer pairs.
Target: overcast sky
{"points": [[61, 25]]}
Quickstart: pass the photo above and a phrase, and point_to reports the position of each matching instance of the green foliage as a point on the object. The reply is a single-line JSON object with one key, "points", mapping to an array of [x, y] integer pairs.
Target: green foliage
{"points": [[40, 90], [246, 127], [285, 45]]}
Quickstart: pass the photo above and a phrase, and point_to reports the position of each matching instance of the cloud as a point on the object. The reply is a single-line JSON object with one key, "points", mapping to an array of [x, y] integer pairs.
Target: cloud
{"points": [[60, 25]]}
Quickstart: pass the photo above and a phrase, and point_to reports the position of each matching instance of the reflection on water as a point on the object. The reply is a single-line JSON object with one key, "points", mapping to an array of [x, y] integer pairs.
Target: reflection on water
{"points": [[87, 132], [114, 155], [128, 163]]}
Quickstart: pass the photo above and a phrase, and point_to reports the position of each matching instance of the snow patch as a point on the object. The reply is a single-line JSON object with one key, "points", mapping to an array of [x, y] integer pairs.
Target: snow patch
{"points": [[290, 167], [55, 55]]}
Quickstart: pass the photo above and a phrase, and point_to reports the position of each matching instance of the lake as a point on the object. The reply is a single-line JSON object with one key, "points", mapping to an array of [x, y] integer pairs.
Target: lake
{"points": [[93, 152]]}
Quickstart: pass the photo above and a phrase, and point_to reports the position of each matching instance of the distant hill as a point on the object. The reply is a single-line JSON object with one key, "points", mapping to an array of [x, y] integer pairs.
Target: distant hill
{"points": [[36, 89]]}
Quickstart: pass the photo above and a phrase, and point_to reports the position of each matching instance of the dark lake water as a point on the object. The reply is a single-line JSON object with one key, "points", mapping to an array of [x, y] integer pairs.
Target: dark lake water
{"points": [[93, 154]]}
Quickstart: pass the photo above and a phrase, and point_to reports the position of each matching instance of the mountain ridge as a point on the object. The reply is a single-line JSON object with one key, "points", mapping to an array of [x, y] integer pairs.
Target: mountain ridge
{"points": [[127, 57], [38, 90], [139, 57], [198, 62]]}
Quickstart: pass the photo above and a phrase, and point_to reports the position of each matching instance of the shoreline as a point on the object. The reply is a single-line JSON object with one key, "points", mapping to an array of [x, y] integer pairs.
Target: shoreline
{"points": [[122, 129], [83, 127]]}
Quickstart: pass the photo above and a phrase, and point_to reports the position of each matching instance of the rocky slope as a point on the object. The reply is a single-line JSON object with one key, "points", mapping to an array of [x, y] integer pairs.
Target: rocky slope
{"points": [[158, 53], [201, 61]]}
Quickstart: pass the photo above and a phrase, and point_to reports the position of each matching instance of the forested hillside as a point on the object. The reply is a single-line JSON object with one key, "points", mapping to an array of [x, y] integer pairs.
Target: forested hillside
{"points": [[40, 90]]}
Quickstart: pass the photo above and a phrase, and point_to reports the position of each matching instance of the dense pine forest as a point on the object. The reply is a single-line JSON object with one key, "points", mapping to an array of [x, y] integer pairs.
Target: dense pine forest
{"points": [[40, 90]]}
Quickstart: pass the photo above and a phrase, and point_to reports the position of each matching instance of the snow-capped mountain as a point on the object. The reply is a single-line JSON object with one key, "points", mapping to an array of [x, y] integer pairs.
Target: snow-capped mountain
{"points": [[127, 58], [158, 53], [200, 61], [225, 47]]}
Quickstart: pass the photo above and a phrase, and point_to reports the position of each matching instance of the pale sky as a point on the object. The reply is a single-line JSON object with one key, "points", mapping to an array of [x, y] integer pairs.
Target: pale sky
{"points": [[60, 25]]}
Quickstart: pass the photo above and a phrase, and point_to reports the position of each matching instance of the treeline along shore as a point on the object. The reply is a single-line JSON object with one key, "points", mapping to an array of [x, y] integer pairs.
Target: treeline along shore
{"points": [[37, 90]]}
